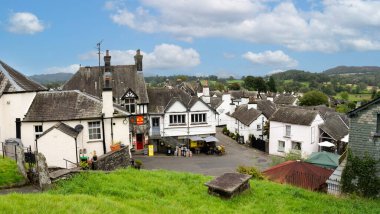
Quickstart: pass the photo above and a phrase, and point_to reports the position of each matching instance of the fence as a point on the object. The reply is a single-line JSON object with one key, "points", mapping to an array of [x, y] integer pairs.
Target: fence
{"points": [[307, 181], [334, 187]]}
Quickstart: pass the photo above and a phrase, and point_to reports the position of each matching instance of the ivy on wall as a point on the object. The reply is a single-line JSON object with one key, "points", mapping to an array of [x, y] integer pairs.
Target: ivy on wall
{"points": [[359, 176]]}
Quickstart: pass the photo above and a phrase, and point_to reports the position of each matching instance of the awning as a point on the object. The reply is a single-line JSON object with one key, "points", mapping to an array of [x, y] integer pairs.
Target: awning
{"points": [[211, 139], [326, 144], [196, 138]]}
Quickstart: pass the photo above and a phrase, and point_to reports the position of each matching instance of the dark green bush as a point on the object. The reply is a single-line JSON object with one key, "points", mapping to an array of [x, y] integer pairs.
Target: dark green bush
{"points": [[359, 176]]}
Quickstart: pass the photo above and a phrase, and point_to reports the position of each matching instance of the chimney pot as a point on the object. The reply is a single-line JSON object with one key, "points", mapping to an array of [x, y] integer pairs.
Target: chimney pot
{"points": [[107, 52]]}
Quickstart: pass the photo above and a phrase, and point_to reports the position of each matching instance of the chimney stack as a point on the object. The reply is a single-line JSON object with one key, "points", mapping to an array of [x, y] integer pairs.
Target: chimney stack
{"points": [[138, 60], [107, 94]]}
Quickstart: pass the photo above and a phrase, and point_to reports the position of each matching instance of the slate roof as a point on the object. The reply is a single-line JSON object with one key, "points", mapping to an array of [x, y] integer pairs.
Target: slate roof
{"points": [[267, 107], [242, 94], [284, 99], [291, 115], [63, 128], [245, 115], [323, 110], [124, 77], [299, 173], [215, 102], [13, 81], [65, 105], [335, 126], [363, 107], [161, 99]]}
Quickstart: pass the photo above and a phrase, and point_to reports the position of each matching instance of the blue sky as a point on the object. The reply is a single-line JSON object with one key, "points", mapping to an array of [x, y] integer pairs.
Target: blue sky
{"points": [[195, 37]]}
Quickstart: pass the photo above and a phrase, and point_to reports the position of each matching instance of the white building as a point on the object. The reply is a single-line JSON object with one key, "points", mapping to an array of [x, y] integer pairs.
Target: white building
{"points": [[128, 88], [246, 120], [176, 116], [49, 126], [16, 94], [295, 129]]}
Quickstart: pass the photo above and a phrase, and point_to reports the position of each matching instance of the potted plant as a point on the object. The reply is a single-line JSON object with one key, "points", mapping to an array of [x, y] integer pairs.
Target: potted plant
{"points": [[115, 146], [138, 164]]}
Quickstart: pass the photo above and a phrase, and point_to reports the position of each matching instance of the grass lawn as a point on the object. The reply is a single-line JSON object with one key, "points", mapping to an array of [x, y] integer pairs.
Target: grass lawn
{"points": [[359, 97], [133, 191], [233, 81], [9, 173]]}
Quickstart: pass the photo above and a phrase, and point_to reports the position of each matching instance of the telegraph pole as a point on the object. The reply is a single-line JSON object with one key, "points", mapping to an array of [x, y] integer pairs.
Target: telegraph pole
{"points": [[98, 47]]}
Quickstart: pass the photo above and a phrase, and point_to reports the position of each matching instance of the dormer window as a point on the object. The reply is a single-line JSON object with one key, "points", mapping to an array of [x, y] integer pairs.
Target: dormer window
{"points": [[130, 98], [130, 105]]}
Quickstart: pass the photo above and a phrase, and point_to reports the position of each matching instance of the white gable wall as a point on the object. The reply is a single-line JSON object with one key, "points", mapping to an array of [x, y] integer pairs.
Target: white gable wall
{"points": [[120, 133], [13, 106], [57, 146], [299, 133]]}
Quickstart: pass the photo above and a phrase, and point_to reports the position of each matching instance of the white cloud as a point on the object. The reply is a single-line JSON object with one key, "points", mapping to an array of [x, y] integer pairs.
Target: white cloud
{"points": [[25, 23], [325, 26], [68, 69], [271, 58], [164, 56]]}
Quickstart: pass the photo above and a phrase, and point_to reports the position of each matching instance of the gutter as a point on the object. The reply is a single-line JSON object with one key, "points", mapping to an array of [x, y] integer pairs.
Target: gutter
{"points": [[104, 137]]}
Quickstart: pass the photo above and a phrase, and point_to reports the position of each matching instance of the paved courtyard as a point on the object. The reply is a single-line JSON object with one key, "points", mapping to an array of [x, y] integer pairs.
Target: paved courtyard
{"points": [[211, 164]]}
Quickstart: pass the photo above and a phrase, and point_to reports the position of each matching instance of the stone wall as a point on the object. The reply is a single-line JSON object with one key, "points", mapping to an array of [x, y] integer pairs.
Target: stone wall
{"points": [[362, 130], [112, 160]]}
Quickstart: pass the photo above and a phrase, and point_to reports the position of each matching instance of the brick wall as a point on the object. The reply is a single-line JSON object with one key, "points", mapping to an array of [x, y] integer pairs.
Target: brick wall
{"points": [[362, 129]]}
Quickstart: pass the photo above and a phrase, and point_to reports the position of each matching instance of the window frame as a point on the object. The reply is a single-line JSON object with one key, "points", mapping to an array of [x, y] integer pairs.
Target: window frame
{"points": [[288, 133], [129, 103], [198, 118], [97, 129], [177, 119], [296, 143], [38, 133], [278, 146]]}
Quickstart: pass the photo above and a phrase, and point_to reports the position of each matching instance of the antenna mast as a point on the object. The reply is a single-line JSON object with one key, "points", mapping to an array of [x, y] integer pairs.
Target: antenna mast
{"points": [[98, 47]]}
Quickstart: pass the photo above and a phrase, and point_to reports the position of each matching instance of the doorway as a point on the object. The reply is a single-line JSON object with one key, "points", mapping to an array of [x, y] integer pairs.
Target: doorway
{"points": [[139, 141]]}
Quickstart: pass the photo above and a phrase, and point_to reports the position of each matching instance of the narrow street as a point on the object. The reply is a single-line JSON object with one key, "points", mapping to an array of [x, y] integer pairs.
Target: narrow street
{"points": [[211, 164]]}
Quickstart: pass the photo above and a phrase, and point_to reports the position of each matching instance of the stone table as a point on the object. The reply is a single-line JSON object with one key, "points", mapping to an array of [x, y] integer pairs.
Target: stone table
{"points": [[228, 185]]}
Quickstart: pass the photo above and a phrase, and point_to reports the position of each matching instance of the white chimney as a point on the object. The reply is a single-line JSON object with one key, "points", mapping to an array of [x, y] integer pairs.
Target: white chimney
{"points": [[107, 95], [232, 108], [252, 105]]}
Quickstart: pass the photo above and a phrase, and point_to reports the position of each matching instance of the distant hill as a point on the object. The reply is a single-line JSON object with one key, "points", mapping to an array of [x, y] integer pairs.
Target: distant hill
{"points": [[352, 70], [51, 78]]}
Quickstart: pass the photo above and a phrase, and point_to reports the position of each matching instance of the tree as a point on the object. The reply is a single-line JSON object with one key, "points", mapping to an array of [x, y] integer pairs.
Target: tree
{"points": [[271, 84], [259, 84], [343, 95], [234, 86], [361, 86], [249, 82], [314, 98]]}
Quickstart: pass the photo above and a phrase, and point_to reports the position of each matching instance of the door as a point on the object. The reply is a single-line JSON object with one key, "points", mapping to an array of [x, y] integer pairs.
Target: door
{"points": [[156, 126], [139, 141]]}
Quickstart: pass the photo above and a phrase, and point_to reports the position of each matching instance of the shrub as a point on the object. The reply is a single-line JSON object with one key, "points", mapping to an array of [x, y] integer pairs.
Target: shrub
{"points": [[225, 130], [231, 135], [250, 170], [359, 176], [293, 155]]}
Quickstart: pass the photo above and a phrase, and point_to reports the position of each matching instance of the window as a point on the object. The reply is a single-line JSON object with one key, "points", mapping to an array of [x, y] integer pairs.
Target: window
{"points": [[38, 131], [281, 146], [94, 130], [177, 119], [296, 145], [198, 118], [130, 105], [287, 130], [312, 134], [258, 127]]}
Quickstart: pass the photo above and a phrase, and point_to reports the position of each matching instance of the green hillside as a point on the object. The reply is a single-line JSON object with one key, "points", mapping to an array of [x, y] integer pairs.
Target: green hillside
{"points": [[133, 191]]}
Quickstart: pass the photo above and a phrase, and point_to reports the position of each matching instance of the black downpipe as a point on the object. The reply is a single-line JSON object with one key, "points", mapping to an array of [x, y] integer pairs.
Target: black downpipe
{"points": [[76, 149], [104, 137], [111, 129]]}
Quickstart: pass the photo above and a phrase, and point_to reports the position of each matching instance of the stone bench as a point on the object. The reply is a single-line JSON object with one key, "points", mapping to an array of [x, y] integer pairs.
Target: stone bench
{"points": [[228, 185]]}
